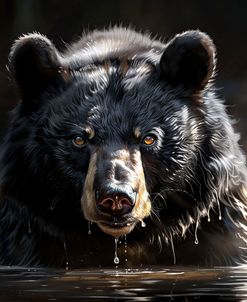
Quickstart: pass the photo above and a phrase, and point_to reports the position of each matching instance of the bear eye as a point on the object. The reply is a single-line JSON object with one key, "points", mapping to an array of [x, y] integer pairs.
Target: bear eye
{"points": [[149, 140], [79, 141]]}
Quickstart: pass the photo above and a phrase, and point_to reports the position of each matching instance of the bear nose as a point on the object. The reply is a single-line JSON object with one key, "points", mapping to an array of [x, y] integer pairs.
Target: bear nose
{"points": [[116, 202]]}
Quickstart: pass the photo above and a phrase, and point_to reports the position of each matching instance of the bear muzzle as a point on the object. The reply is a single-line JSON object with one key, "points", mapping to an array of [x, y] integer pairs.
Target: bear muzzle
{"points": [[115, 195]]}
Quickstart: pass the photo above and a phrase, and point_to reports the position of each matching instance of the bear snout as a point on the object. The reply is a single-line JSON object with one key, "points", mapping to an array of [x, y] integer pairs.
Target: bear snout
{"points": [[115, 201], [115, 190]]}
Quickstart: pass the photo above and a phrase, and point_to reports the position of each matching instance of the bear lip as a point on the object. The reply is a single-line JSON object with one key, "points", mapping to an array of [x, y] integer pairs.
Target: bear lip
{"points": [[116, 229], [116, 224]]}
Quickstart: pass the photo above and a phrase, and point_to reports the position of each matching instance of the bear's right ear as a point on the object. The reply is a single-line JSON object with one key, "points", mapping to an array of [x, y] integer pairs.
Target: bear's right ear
{"points": [[36, 66]]}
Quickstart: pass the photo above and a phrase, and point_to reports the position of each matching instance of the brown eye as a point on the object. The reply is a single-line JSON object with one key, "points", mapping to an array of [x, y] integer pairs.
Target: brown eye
{"points": [[149, 140], [79, 141]]}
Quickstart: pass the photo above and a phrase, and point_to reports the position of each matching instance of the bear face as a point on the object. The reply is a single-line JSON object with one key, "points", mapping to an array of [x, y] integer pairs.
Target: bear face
{"points": [[118, 129]]}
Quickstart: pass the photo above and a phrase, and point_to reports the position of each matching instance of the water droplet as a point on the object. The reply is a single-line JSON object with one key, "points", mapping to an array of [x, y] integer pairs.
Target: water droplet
{"points": [[53, 204], [125, 249], [143, 224], [196, 229], [219, 209], [209, 216], [89, 228], [67, 266], [116, 259]]}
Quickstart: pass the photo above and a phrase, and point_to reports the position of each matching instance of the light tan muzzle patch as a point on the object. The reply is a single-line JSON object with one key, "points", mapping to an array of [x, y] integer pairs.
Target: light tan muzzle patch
{"points": [[142, 207]]}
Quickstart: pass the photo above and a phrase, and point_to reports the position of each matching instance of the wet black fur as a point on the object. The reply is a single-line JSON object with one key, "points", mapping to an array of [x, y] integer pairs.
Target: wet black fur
{"points": [[195, 168]]}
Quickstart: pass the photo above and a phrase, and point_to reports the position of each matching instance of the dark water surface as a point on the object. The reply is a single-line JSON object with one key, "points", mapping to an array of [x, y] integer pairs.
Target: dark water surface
{"points": [[146, 284]]}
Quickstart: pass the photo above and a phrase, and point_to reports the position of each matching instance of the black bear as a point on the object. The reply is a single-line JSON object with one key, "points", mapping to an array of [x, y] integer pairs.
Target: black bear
{"points": [[125, 132]]}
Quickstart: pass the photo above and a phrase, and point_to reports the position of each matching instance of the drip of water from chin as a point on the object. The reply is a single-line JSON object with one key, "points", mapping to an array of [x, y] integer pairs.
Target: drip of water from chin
{"points": [[116, 259], [125, 251]]}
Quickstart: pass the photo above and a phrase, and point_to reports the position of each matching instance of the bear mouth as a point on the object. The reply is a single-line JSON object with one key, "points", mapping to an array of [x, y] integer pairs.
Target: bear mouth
{"points": [[116, 229]]}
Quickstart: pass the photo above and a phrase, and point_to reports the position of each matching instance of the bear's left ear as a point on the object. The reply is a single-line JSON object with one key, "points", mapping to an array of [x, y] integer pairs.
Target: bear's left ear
{"points": [[36, 66], [189, 60]]}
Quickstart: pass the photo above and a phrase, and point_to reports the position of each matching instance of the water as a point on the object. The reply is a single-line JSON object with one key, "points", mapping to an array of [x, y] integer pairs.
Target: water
{"points": [[116, 259], [66, 256], [145, 284], [143, 224], [125, 250], [196, 229], [89, 228]]}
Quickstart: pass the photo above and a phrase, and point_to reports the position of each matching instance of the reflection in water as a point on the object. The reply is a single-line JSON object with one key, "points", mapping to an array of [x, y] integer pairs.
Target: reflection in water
{"points": [[146, 284]]}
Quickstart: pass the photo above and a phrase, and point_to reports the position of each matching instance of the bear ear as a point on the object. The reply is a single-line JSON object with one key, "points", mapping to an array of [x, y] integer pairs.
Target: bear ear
{"points": [[189, 60], [36, 66]]}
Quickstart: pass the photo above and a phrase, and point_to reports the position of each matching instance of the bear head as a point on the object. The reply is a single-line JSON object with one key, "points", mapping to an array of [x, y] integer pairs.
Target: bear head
{"points": [[113, 129]]}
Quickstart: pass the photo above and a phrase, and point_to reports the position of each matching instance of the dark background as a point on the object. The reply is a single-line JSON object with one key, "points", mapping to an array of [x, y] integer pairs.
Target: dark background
{"points": [[63, 21]]}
